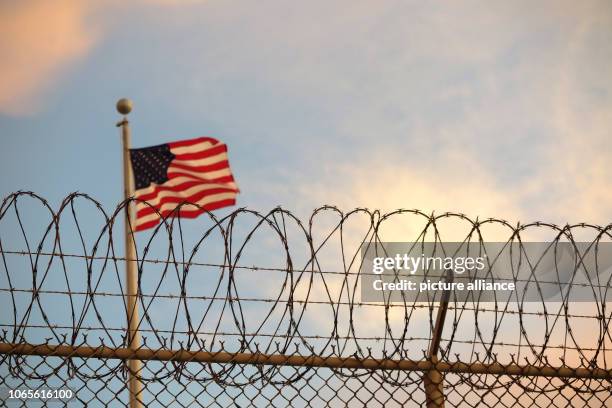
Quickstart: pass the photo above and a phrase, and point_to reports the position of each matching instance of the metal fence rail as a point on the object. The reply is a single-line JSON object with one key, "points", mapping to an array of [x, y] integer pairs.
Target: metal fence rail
{"points": [[256, 309]]}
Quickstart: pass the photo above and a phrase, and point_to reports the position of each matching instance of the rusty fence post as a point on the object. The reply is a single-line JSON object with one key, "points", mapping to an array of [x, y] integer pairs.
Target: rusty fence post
{"points": [[433, 379]]}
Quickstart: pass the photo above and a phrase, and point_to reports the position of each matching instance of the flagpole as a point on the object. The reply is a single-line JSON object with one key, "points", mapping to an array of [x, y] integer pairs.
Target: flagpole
{"points": [[124, 106]]}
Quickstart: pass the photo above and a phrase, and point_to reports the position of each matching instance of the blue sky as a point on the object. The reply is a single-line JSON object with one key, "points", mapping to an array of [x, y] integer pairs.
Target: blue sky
{"points": [[480, 108], [493, 110]]}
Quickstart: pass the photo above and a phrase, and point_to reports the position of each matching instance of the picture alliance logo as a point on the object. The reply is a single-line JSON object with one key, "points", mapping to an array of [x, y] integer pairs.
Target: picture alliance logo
{"points": [[412, 265]]}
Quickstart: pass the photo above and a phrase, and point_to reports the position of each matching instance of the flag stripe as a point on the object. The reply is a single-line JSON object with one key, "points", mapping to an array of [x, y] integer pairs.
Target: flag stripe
{"points": [[198, 156], [166, 209], [176, 181], [222, 179], [169, 203], [202, 169], [158, 197], [210, 176], [153, 221], [191, 142], [200, 153], [192, 149], [152, 191], [204, 161]]}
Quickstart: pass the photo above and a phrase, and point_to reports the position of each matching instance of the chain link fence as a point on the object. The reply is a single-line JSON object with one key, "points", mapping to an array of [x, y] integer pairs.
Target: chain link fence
{"points": [[262, 309]]}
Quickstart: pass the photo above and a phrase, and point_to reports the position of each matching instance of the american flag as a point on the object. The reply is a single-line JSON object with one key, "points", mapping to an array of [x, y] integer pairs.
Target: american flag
{"points": [[194, 171]]}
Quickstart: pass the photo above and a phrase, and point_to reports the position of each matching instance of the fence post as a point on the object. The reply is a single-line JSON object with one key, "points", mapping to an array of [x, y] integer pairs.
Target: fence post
{"points": [[433, 380]]}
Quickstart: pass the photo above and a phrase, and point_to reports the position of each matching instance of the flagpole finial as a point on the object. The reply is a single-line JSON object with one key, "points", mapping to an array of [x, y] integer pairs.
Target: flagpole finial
{"points": [[124, 106]]}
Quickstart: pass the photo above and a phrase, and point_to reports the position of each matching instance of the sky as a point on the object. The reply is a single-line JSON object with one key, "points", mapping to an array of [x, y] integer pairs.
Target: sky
{"points": [[492, 110]]}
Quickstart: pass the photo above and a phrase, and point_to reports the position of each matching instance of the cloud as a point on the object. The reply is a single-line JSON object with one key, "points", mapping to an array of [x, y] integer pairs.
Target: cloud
{"points": [[462, 104], [41, 41], [583, 120], [452, 182], [513, 124]]}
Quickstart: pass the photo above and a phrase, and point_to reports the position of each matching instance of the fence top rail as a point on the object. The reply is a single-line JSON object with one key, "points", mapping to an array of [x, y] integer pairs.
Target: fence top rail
{"points": [[297, 360]]}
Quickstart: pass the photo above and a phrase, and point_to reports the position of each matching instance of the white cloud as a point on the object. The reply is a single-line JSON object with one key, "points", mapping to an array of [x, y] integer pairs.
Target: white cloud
{"points": [[41, 41]]}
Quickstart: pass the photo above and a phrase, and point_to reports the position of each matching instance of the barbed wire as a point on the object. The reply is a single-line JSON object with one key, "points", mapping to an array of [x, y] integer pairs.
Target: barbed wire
{"points": [[52, 294]]}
